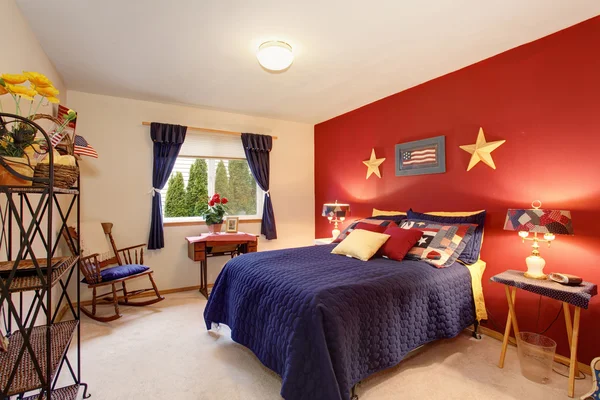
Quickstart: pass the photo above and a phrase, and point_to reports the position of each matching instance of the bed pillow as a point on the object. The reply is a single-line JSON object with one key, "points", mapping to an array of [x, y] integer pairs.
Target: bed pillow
{"points": [[379, 213], [400, 242], [352, 226], [470, 254], [370, 227], [396, 218], [361, 244], [440, 244]]}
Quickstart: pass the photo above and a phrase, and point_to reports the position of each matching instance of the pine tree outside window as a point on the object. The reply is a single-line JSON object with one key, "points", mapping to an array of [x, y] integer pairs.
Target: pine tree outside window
{"points": [[211, 164]]}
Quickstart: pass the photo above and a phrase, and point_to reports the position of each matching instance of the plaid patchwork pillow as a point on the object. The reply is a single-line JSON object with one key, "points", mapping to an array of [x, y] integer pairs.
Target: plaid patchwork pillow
{"points": [[441, 244], [352, 226]]}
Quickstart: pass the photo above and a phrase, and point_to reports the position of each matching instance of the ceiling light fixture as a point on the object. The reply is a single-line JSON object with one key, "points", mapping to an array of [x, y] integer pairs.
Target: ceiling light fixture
{"points": [[275, 55]]}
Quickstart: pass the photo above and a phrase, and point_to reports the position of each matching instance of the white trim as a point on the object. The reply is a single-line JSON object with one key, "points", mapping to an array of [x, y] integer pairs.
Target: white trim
{"points": [[200, 219]]}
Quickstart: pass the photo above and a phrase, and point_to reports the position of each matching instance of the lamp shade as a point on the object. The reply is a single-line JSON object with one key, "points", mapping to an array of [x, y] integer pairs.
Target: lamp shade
{"points": [[275, 55], [539, 220], [339, 210]]}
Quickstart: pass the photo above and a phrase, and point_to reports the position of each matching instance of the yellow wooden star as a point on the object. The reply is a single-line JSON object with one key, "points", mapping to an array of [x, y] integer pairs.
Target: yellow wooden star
{"points": [[373, 164], [482, 151]]}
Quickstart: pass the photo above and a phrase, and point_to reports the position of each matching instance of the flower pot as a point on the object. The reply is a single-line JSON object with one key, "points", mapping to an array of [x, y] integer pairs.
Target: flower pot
{"points": [[19, 164], [215, 228]]}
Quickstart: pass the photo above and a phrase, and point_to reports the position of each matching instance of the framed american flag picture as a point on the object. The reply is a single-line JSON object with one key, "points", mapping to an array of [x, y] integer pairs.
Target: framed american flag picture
{"points": [[427, 156]]}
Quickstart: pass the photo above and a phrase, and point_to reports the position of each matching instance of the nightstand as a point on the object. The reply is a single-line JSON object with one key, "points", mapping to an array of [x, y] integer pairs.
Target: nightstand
{"points": [[322, 241], [578, 296]]}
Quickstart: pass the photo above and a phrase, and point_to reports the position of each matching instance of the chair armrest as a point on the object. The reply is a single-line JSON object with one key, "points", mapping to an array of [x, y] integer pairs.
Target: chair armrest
{"points": [[132, 247], [95, 256], [90, 268]]}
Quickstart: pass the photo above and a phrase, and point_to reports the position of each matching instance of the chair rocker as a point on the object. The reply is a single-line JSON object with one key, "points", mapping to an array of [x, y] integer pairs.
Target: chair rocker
{"points": [[130, 266]]}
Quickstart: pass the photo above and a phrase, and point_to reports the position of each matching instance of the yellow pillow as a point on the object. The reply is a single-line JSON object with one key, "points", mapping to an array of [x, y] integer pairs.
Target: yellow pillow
{"points": [[361, 244], [454, 213], [377, 213]]}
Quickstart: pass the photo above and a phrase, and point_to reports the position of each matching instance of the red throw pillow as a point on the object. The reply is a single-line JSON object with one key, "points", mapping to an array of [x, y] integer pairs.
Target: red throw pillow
{"points": [[365, 226], [400, 242]]}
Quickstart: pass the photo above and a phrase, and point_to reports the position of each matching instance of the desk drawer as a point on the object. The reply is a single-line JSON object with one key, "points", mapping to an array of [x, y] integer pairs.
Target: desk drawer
{"points": [[197, 251]]}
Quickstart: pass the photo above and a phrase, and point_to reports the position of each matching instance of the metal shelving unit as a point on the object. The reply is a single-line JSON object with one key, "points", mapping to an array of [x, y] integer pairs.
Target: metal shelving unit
{"points": [[33, 221]]}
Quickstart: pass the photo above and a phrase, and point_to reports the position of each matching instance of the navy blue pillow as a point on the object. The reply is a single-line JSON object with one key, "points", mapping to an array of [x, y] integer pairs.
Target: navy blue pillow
{"points": [[121, 271], [470, 254], [396, 218]]}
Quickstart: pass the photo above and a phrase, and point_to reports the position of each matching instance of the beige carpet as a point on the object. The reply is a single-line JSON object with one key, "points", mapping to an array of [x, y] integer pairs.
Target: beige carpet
{"points": [[164, 352]]}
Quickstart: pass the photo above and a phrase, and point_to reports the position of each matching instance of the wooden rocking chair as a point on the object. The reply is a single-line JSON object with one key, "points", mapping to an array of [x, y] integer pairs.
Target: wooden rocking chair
{"points": [[98, 275]]}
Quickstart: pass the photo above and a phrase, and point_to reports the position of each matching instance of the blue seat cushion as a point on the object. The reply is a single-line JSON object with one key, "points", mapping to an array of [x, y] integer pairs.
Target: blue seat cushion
{"points": [[120, 271]]}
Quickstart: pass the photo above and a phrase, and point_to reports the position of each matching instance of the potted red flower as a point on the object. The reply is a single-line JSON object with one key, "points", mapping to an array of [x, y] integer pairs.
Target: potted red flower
{"points": [[213, 216]]}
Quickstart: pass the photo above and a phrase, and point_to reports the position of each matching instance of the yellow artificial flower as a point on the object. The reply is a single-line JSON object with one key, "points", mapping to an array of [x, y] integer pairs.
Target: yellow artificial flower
{"points": [[49, 91], [37, 79], [3, 90], [21, 91], [14, 79], [53, 100]]}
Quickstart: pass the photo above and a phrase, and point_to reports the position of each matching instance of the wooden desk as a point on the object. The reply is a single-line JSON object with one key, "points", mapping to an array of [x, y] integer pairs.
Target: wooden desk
{"points": [[218, 244], [578, 296]]}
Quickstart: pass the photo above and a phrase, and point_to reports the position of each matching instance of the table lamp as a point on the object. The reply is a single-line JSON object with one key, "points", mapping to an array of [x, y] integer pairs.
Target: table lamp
{"points": [[538, 220], [336, 213]]}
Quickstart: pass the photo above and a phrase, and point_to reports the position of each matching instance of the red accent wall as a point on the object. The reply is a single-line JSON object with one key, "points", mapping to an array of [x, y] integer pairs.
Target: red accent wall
{"points": [[544, 99]]}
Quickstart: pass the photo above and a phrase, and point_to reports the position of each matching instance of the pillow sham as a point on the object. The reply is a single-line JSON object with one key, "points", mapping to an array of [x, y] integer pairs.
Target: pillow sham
{"points": [[400, 242], [440, 244], [352, 226], [470, 255], [361, 244], [379, 213]]}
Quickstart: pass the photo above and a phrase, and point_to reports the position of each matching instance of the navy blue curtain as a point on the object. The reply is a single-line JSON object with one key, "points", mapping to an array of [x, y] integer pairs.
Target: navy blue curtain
{"points": [[257, 148], [167, 143]]}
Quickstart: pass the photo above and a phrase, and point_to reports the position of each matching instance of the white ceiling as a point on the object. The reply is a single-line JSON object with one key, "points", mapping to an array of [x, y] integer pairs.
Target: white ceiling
{"points": [[348, 53]]}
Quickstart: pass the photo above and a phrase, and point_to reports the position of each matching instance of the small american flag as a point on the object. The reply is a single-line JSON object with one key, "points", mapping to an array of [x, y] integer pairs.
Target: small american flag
{"points": [[83, 148], [422, 156], [62, 114]]}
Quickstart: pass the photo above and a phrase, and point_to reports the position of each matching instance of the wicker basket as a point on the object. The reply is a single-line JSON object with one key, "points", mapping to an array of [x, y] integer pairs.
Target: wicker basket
{"points": [[65, 176]]}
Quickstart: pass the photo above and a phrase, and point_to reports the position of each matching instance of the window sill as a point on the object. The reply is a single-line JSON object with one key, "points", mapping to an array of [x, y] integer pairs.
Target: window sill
{"points": [[192, 223]]}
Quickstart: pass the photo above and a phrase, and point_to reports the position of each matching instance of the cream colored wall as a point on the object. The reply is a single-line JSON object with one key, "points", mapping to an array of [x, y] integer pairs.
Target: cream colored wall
{"points": [[115, 186], [21, 51]]}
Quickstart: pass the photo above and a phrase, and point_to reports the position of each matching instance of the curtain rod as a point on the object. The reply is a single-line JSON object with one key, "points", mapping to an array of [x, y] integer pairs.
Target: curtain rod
{"points": [[193, 128]]}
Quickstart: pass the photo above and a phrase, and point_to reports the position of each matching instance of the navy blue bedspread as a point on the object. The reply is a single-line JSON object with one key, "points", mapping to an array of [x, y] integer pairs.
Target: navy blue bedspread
{"points": [[323, 321]]}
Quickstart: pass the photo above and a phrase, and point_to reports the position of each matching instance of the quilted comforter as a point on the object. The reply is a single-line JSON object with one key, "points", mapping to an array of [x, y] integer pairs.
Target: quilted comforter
{"points": [[324, 322]]}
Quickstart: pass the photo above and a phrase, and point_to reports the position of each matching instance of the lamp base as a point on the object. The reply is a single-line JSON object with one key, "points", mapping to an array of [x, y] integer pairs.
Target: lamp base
{"points": [[535, 267], [335, 233]]}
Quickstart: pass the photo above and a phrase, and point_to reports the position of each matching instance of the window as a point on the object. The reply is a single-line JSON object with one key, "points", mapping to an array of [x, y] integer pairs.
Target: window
{"points": [[209, 164]]}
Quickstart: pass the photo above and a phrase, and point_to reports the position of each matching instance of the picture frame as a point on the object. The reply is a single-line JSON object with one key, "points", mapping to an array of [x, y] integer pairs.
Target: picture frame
{"points": [[421, 157], [231, 224]]}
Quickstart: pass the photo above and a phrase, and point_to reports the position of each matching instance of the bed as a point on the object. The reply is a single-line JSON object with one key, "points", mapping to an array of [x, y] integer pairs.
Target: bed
{"points": [[324, 322]]}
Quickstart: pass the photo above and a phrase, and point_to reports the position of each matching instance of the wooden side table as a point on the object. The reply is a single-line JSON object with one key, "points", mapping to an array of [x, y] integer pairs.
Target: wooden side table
{"points": [[578, 296], [200, 248]]}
